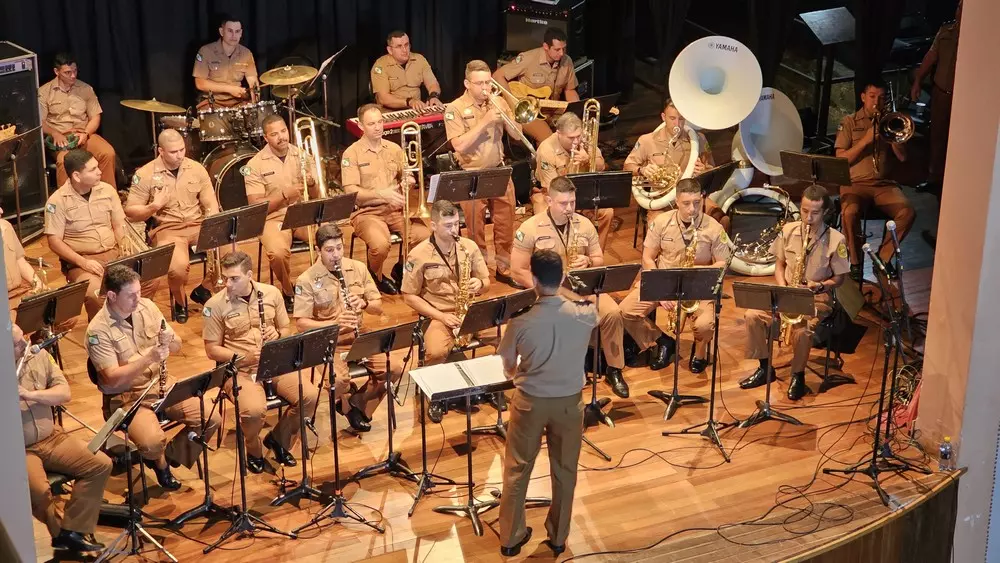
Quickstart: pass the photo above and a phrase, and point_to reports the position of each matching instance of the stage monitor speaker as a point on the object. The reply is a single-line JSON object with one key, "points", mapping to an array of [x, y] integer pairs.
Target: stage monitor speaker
{"points": [[19, 107], [527, 20]]}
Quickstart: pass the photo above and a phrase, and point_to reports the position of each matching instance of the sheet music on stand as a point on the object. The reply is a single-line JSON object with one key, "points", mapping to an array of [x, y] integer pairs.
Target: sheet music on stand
{"points": [[459, 379], [459, 185]]}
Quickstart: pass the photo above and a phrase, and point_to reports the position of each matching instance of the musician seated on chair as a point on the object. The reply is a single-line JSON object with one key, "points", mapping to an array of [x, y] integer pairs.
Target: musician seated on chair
{"points": [[680, 238], [220, 68], [397, 76], [71, 115], [547, 66], [374, 168], [809, 254], [84, 225], [431, 284], [128, 342], [177, 193], [672, 144], [573, 237], [564, 153], [870, 184], [235, 325], [336, 290], [274, 175]]}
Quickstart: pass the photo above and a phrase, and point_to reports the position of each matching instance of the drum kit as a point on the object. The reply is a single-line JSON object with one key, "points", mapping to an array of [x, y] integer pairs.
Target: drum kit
{"points": [[223, 139]]}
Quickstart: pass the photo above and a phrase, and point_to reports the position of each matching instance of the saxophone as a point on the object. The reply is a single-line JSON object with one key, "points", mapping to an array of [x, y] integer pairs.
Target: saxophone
{"points": [[163, 363], [463, 298], [798, 278], [344, 294], [571, 248], [686, 307]]}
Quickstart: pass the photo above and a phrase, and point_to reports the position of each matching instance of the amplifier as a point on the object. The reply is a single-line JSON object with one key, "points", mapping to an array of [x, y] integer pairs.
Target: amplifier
{"points": [[526, 22]]}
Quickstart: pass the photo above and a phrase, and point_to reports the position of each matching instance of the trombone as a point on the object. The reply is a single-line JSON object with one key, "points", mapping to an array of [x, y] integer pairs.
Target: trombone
{"points": [[409, 139], [305, 140], [525, 111], [890, 126]]}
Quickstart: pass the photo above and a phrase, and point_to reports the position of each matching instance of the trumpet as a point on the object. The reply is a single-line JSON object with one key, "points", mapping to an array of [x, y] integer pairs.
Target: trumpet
{"points": [[306, 136], [525, 111], [409, 139]]}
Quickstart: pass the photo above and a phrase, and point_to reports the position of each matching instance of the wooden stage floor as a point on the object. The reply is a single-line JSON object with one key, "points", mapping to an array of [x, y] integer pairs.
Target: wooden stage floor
{"points": [[674, 495]]}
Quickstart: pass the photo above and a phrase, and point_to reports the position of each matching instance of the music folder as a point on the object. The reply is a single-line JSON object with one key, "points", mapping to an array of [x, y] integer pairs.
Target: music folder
{"points": [[458, 379]]}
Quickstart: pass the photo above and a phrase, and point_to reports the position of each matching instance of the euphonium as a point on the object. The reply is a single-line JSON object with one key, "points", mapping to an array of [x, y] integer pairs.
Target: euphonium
{"points": [[686, 307], [798, 278], [463, 298], [591, 129], [409, 139], [309, 148]]}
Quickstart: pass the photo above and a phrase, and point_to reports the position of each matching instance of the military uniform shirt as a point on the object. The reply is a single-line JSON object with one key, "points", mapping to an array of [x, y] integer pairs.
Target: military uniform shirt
{"points": [[85, 224], [390, 77], [113, 342], [428, 276], [665, 233]]}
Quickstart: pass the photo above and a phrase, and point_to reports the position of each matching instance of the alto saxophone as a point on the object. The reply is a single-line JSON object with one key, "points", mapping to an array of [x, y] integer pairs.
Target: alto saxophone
{"points": [[344, 294], [685, 307], [571, 248], [463, 298], [798, 278]]}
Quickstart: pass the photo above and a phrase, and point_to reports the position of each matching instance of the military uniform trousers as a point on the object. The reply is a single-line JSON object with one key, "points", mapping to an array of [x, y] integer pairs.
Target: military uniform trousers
{"points": [[888, 198], [645, 332], [65, 454], [148, 436], [102, 151], [92, 302], [502, 213], [183, 236], [560, 420], [801, 335], [439, 340], [610, 323], [253, 408], [375, 231], [278, 249]]}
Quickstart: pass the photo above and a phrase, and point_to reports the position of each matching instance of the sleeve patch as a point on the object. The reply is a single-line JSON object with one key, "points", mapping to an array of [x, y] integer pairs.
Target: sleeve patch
{"points": [[50, 208], [345, 163], [725, 237], [377, 69], [199, 58], [546, 166], [298, 290], [840, 127], [842, 250], [136, 179], [449, 115], [246, 170], [92, 340], [409, 266], [517, 59], [519, 235], [637, 145], [207, 311]]}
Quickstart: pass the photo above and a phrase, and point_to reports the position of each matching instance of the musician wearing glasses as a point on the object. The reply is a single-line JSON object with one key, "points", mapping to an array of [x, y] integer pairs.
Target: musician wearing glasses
{"points": [[337, 290], [870, 172], [373, 168], [221, 67], [433, 284], [682, 237], [177, 193], [397, 76], [573, 237], [812, 255], [547, 66], [562, 154], [475, 127]]}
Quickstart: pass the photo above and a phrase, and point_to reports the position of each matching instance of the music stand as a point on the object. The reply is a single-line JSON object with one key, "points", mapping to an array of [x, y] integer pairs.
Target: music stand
{"points": [[149, 264], [469, 185], [293, 354], [197, 386], [231, 227], [607, 101], [11, 150], [45, 310], [774, 299], [678, 284], [319, 211], [818, 169], [384, 341], [607, 190]]}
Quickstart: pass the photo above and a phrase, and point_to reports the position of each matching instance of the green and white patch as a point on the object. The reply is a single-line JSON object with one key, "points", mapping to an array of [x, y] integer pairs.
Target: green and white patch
{"points": [[246, 170], [298, 290], [135, 179], [50, 208], [519, 235], [377, 69], [345, 163], [93, 340], [449, 115], [409, 266], [207, 311], [199, 58]]}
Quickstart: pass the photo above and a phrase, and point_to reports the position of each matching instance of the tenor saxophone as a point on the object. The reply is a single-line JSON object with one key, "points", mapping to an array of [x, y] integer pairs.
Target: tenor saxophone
{"points": [[463, 298], [798, 278]]}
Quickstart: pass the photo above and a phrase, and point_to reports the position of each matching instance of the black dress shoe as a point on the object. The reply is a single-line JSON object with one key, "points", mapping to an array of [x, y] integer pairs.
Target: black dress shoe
{"points": [[201, 295], [163, 476], [180, 313], [358, 420], [614, 378], [75, 541], [664, 353], [507, 280], [283, 456], [516, 548], [435, 412], [386, 285], [556, 549], [697, 365], [757, 378], [797, 386], [289, 303], [256, 464]]}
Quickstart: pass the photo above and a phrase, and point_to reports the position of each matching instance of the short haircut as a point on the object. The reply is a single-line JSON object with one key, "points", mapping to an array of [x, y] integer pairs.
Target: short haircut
{"points": [[118, 276], [561, 185], [568, 122], [688, 186], [394, 34], [365, 109], [237, 258], [875, 82], [328, 232], [273, 118], [668, 103], [476, 65], [815, 192], [546, 266], [226, 18], [168, 135], [76, 160], [553, 34], [443, 208], [63, 58]]}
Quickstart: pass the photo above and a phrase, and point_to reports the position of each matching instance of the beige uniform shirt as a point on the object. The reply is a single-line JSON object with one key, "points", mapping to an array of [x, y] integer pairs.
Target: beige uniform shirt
{"points": [[534, 70], [462, 115], [12, 253], [946, 45], [390, 77], [236, 323], [668, 235], [66, 110], [213, 63], [552, 160], [85, 224], [428, 275], [551, 338], [364, 168], [191, 191], [318, 292], [851, 130], [40, 372], [539, 233], [266, 174], [113, 342], [657, 148], [825, 258]]}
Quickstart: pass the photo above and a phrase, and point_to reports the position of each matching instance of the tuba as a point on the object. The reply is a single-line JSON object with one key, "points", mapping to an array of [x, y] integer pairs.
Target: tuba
{"points": [[591, 129], [409, 139], [306, 136], [890, 126], [798, 278]]}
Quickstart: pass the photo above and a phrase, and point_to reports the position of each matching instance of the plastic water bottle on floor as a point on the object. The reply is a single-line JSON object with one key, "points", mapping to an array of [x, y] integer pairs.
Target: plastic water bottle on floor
{"points": [[946, 460]]}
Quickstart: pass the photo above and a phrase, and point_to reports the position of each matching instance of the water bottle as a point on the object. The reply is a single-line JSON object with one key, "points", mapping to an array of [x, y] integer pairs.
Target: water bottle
{"points": [[946, 460]]}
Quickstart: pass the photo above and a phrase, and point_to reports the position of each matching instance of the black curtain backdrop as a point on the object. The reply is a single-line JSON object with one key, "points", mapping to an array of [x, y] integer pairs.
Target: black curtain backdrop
{"points": [[770, 31], [876, 25], [667, 20]]}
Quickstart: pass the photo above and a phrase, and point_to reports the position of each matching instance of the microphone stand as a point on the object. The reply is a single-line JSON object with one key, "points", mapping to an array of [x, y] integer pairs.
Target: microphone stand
{"points": [[903, 306]]}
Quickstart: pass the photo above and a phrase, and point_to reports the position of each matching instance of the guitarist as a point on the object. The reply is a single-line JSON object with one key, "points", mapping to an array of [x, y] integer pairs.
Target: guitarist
{"points": [[546, 67]]}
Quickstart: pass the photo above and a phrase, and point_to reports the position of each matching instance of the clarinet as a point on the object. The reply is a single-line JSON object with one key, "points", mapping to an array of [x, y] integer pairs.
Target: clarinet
{"points": [[163, 362], [260, 311], [339, 274]]}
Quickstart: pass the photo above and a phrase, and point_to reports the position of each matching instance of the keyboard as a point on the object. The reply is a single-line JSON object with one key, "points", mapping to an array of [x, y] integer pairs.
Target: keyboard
{"points": [[430, 117]]}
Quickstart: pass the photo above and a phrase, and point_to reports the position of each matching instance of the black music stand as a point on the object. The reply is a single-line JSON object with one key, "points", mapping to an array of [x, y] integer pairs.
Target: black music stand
{"points": [[469, 185], [11, 150], [607, 101], [607, 190], [818, 169], [43, 311], [678, 284], [232, 226], [197, 386], [319, 211], [293, 354], [149, 264], [384, 341], [774, 299]]}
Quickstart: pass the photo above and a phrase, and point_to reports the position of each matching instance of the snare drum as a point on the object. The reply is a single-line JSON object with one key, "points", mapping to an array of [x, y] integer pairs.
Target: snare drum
{"points": [[225, 167], [254, 115], [220, 124], [192, 142]]}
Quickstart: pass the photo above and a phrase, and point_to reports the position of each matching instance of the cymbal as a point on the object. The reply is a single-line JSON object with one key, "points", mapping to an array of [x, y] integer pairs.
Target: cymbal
{"points": [[154, 106], [288, 75]]}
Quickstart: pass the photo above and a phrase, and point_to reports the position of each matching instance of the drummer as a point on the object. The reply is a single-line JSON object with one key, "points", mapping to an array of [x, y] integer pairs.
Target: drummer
{"points": [[221, 67]]}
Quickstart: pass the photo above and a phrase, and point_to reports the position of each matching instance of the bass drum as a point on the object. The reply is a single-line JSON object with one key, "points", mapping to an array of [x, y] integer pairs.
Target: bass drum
{"points": [[224, 165]]}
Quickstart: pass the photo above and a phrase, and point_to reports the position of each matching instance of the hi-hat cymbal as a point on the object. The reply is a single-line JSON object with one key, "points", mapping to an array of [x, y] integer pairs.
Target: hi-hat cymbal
{"points": [[288, 75], [153, 105]]}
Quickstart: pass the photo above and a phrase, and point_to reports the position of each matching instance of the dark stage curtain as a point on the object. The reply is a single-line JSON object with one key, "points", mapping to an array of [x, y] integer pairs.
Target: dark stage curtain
{"points": [[667, 26], [769, 33], [876, 25]]}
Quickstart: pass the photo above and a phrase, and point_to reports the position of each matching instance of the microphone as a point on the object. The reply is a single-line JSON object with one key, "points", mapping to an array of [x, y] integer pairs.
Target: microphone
{"points": [[876, 260], [37, 348], [193, 437], [891, 226]]}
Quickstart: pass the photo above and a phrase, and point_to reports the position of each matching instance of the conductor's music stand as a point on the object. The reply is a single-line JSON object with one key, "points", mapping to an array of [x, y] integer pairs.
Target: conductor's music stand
{"points": [[232, 226], [469, 185], [773, 299], [149, 264], [43, 311], [678, 284]]}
